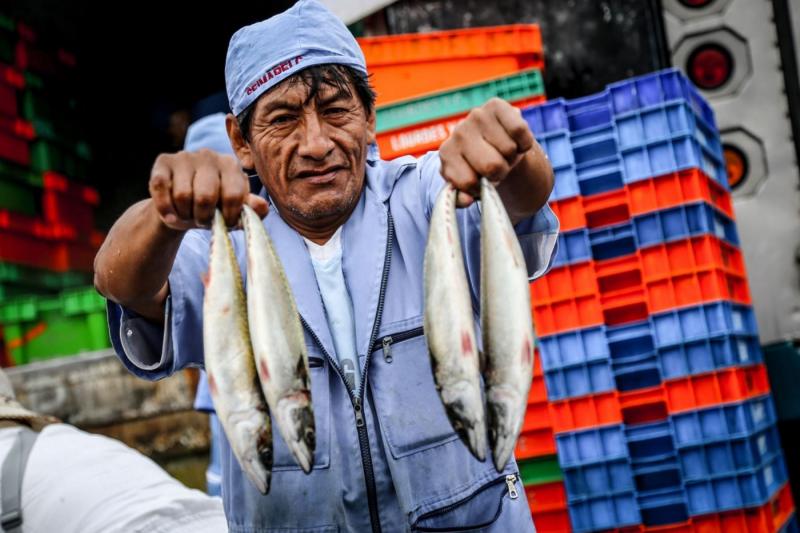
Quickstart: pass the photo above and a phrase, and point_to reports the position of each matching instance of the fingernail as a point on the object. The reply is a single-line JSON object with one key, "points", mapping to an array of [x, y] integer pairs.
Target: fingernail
{"points": [[170, 219]]}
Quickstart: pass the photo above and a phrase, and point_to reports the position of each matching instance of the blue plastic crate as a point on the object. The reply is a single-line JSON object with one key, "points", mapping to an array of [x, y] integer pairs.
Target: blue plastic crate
{"points": [[704, 355], [573, 347], [702, 322], [598, 478], [670, 155], [662, 507], [729, 456], [558, 148], [612, 241], [589, 112], [594, 145], [591, 445], [604, 512], [727, 421], [683, 221], [565, 183], [650, 442], [656, 88], [749, 488], [573, 247], [579, 379], [600, 175], [665, 121], [546, 117]]}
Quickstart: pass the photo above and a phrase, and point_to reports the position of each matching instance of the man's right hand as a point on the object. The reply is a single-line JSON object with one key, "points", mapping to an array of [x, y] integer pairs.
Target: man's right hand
{"points": [[186, 187]]}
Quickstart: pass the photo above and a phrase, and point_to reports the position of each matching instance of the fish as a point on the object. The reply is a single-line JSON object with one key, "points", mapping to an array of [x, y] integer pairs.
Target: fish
{"points": [[229, 362], [506, 325], [279, 347], [449, 326]]}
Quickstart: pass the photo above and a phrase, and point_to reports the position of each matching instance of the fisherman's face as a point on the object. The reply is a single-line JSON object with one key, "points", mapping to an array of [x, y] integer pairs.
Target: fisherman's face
{"points": [[311, 152]]}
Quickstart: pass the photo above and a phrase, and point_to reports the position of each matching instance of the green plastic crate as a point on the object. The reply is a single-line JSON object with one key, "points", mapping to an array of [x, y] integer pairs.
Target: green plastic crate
{"points": [[7, 23], [12, 171], [37, 280], [525, 84], [540, 470], [19, 197], [48, 155], [39, 328]]}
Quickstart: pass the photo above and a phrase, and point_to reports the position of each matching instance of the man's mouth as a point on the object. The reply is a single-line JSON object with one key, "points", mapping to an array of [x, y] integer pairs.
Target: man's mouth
{"points": [[319, 176]]}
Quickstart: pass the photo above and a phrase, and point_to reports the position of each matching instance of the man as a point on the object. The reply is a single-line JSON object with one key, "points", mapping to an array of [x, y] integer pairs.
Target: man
{"points": [[350, 230], [55, 477]]}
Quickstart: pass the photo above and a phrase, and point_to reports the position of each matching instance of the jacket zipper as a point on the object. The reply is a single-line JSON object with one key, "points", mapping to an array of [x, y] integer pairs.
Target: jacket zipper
{"points": [[510, 480], [386, 342], [357, 399]]}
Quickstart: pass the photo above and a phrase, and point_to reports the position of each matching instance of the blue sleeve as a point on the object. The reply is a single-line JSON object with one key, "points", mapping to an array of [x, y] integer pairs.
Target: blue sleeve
{"points": [[537, 235], [153, 351]]}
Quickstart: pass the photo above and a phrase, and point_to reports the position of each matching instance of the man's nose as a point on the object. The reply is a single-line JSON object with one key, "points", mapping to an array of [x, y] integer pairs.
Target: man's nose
{"points": [[315, 142]]}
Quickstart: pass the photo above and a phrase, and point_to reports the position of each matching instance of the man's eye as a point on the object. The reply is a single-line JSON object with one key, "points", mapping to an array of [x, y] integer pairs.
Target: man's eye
{"points": [[282, 119], [335, 110]]}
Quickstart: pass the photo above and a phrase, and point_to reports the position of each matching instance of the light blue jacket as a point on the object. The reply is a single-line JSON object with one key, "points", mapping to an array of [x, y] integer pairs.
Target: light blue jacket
{"points": [[386, 459]]}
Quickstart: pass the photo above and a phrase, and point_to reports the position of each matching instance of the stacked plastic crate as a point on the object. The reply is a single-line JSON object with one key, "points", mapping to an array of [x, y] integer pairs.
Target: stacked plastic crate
{"points": [[426, 84], [47, 235], [658, 396]]}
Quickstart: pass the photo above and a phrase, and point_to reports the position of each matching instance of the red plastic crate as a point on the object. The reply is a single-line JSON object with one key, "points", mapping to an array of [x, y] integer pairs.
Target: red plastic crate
{"points": [[419, 139], [548, 504], [27, 56], [536, 438], [768, 518], [656, 403], [570, 213], [13, 78], [403, 66], [68, 203], [624, 289], [14, 148], [8, 100], [16, 126]]}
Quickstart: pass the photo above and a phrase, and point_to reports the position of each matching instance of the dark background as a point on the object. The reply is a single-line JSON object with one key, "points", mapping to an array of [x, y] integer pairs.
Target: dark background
{"points": [[145, 69]]}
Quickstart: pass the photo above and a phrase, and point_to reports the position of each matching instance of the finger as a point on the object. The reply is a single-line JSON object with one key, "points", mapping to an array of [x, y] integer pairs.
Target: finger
{"points": [[182, 179], [160, 186], [205, 195], [485, 160], [457, 171], [234, 190], [515, 126], [464, 200], [494, 133], [259, 204]]}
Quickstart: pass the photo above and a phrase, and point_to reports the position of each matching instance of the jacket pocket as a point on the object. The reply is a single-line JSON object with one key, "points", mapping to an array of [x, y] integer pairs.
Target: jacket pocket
{"points": [[411, 413], [320, 400], [477, 511]]}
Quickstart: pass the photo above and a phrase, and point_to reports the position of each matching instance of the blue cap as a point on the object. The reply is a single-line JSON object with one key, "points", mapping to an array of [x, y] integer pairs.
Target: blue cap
{"points": [[208, 132], [263, 54]]}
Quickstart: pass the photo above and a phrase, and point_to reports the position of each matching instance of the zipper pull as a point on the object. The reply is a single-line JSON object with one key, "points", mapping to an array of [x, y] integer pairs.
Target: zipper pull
{"points": [[359, 414], [387, 349], [511, 481]]}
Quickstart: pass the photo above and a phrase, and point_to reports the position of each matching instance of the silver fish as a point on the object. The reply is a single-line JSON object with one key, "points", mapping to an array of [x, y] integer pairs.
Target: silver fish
{"points": [[449, 326], [230, 366], [278, 343], [508, 336]]}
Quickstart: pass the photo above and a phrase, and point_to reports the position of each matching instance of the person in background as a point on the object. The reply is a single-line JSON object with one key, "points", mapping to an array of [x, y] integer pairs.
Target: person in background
{"points": [[57, 478]]}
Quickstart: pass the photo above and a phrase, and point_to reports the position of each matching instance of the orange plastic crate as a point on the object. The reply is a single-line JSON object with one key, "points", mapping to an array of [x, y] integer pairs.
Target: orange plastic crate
{"points": [[624, 289], [552, 521], [419, 139], [536, 438], [768, 518], [638, 198], [402, 66], [656, 403], [548, 503]]}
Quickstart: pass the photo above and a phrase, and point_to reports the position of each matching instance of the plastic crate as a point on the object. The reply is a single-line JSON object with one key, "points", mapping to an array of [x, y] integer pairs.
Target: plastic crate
{"points": [[776, 515], [441, 104], [19, 197], [548, 504], [663, 277], [747, 488], [604, 512], [14, 148], [46, 155], [573, 247], [12, 77], [402, 66], [418, 139], [671, 397], [39, 328], [657, 88], [543, 470], [8, 100], [68, 203], [591, 446], [551, 520]]}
